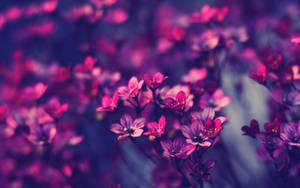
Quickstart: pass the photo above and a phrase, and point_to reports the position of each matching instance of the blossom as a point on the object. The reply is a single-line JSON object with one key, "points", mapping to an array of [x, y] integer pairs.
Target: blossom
{"points": [[34, 92], [211, 124], [260, 75], [216, 101], [194, 75], [290, 133], [42, 133], [155, 81], [55, 108], [128, 127], [272, 128], [196, 134], [251, 130], [177, 148], [156, 129], [133, 88], [177, 98], [108, 103]]}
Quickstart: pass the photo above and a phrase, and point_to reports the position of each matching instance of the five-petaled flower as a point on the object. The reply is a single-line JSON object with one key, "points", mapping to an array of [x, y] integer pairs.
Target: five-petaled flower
{"points": [[133, 88], [196, 134], [128, 127], [211, 124], [154, 81], [177, 98], [177, 148], [216, 101], [108, 103], [156, 129]]}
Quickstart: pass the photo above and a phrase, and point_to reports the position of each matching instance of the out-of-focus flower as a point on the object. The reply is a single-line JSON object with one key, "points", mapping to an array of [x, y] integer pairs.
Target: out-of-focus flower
{"points": [[251, 130], [116, 16], [108, 103], [177, 148], [196, 134], [2, 112], [194, 75], [133, 88], [201, 171], [156, 129], [208, 40], [260, 74], [216, 101], [117, 186], [290, 133], [295, 40], [34, 92], [128, 127], [165, 176], [42, 133], [55, 108], [85, 71], [155, 81]]}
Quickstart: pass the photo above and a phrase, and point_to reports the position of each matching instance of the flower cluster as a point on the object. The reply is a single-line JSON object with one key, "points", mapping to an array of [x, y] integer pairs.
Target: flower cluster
{"points": [[277, 69]]}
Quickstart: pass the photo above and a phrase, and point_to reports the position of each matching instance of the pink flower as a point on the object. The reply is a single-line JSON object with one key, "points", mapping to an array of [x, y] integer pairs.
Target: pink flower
{"points": [[156, 129], [108, 103], [211, 124], [208, 40], [177, 98], [155, 81], [85, 71], [177, 148], [133, 88], [128, 127], [194, 75], [2, 112], [295, 40], [216, 101], [260, 74], [34, 92], [204, 16], [55, 108]]}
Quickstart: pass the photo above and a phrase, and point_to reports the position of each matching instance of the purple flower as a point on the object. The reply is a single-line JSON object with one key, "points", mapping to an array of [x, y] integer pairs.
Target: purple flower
{"points": [[251, 130], [128, 127], [177, 148], [211, 124], [196, 134], [290, 133]]}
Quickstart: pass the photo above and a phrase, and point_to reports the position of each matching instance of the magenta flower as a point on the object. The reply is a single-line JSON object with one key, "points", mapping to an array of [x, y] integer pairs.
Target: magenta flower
{"points": [[133, 88], [196, 134], [42, 133], [272, 128], [211, 124], [154, 81], [216, 101], [177, 98], [156, 129], [55, 108], [260, 75], [177, 148], [34, 92], [108, 103], [84, 71], [290, 133], [128, 127]]}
